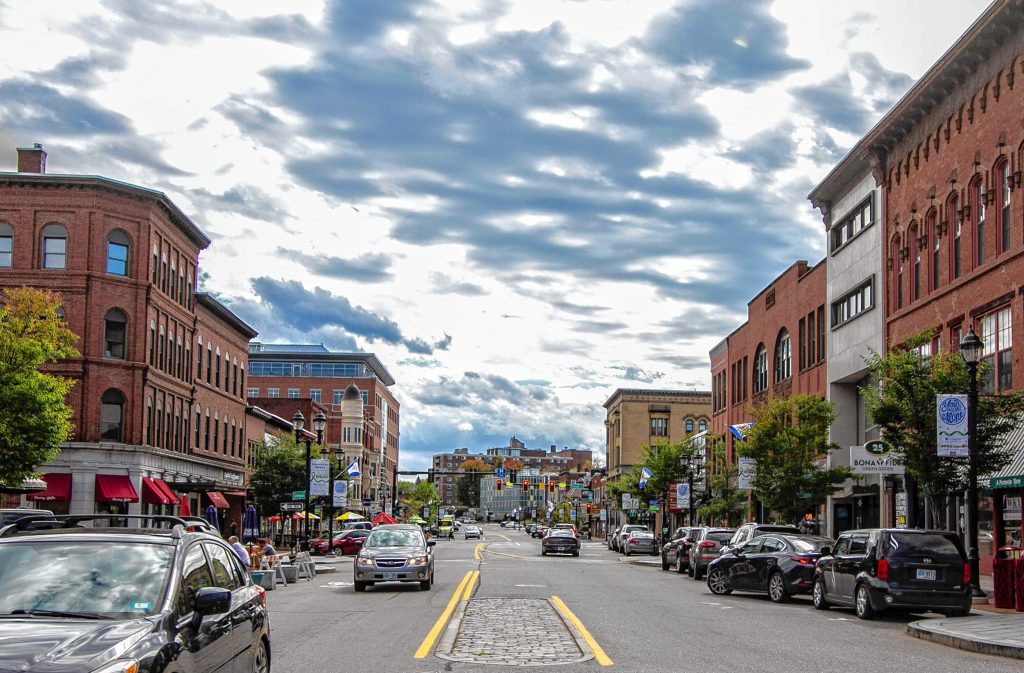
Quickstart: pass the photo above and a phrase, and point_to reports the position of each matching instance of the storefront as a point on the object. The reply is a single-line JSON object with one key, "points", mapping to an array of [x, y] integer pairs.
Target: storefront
{"points": [[1007, 490]]}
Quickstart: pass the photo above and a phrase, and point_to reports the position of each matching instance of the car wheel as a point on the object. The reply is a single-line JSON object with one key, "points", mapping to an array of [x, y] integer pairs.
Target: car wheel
{"points": [[718, 584], [425, 585], [575, 553], [360, 586], [679, 565], [863, 603], [777, 591], [818, 595], [664, 562], [957, 612], [696, 573], [543, 553], [626, 552], [261, 662]]}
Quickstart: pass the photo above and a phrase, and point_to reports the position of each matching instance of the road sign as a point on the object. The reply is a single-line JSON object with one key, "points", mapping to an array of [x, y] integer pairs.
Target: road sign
{"points": [[291, 506], [366, 502], [298, 495], [572, 515], [500, 472]]}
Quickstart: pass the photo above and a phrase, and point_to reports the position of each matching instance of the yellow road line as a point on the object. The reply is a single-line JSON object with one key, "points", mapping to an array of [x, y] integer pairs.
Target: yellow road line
{"points": [[476, 551], [599, 654], [428, 643], [504, 537], [468, 593]]}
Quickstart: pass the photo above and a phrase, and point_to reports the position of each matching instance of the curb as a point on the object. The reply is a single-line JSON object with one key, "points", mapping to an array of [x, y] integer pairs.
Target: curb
{"points": [[924, 631]]}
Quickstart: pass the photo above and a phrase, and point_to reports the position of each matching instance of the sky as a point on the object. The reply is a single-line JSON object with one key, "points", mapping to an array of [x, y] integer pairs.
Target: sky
{"points": [[518, 205]]}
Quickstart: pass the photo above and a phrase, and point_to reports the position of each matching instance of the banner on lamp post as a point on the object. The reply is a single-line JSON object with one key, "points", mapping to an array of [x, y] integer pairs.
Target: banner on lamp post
{"points": [[340, 497], [319, 477], [951, 426], [746, 471]]}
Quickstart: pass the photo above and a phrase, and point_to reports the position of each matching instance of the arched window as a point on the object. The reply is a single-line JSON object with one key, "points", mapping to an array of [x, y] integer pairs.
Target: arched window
{"points": [[55, 247], [896, 257], [112, 416], [1003, 193], [6, 245], [953, 217], [702, 425], [977, 196], [117, 253], [115, 327], [933, 244], [915, 250], [783, 356], [689, 425], [760, 369]]}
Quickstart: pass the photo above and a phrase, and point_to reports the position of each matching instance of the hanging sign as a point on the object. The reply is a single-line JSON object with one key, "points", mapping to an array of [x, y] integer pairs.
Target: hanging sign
{"points": [[319, 477], [340, 494], [951, 426], [746, 471], [875, 457]]}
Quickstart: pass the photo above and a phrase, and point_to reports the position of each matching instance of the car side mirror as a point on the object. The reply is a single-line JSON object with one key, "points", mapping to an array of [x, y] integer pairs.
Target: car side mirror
{"points": [[212, 601], [735, 551], [826, 551], [431, 543]]}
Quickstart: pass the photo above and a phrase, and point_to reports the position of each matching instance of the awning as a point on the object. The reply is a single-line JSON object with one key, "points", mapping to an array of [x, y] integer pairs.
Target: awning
{"points": [[115, 488], [162, 485], [153, 494], [58, 488], [236, 494], [218, 500], [1011, 476]]}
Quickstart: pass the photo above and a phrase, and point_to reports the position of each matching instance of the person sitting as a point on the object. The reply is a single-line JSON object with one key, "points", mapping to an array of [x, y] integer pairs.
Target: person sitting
{"points": [[240, 551], [269, 552]]}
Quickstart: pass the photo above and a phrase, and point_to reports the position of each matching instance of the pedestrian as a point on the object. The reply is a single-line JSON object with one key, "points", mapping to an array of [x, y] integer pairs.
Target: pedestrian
{"points": [[234, 529], [243, 555], [269, 552]]}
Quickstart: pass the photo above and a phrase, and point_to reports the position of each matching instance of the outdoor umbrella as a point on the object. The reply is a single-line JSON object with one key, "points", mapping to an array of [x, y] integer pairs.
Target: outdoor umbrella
{"points": [[211, 517], [250, 524], [383, 518], [350, 516], [184, 510], [415, 519]]}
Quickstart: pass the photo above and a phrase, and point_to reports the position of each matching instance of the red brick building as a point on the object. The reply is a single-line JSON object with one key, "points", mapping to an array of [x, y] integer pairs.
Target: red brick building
{"points": [[124, 260]]}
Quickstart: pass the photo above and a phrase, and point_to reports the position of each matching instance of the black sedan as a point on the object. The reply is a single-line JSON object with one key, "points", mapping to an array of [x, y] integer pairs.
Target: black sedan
{"points": [[778, 564], [560, 541]]}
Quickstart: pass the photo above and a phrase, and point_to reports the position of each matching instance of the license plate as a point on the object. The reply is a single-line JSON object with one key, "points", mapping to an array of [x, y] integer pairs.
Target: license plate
{"points": [[925, 574], [390, 576]]}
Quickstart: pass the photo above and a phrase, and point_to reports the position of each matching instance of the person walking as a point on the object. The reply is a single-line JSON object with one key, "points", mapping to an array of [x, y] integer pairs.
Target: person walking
{"points": [[240, 551]]}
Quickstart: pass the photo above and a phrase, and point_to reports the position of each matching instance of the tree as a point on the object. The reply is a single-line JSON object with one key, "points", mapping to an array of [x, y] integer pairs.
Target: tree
{"points": [[789, 441], [665, 461], [34, 417], [467, 487], [902, 404], [424, 495], [725, 503], [279, 468]]}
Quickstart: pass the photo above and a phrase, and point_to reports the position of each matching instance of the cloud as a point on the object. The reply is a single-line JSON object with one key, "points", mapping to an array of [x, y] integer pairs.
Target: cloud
{"points": [[634, 373], [41, 111], [367, 268], [444, 284]]}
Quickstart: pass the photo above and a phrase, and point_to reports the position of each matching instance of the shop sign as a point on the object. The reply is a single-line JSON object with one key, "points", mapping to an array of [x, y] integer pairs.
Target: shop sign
{"points": [[951, 426], [1011, 508], [1007, 482], [901, 509], [875, 457], [233, 478]]}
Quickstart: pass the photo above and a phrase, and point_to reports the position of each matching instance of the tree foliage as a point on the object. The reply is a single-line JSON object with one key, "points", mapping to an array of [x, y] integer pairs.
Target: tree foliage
{"points": [[789, 441], [34, 417], [279, 469], [724, 503], [423, 494], [903, 402]]}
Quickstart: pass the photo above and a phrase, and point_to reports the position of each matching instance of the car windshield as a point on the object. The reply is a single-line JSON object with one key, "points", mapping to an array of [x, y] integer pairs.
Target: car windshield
{"points": [[918, 544], [810, 544], [724, 536], [394, 538], [106, 578], [560, 532]]}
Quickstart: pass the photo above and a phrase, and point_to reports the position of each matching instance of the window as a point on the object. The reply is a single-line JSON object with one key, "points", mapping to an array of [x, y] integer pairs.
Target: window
{"points": [[956, 222], [225, 575], [760, 369], [174, 275], [689, 425], [156, 265], [853, 304], [783, 357], [209, 363], [702, 425], [933, 242], [997, 356], [899, 275], [915, 283], [977, 194], [336, 396], [802, 345], [273, 392], [859, 219], [252, 392], [659, 427], [114, 327], [199, 425], [195, 576], [117, 253], [743, 380], [812, 336], [111, 416], [6, 245], [1004, 212], [216, 377], [216, 431], [55, 246], [821, 333], [314, 394], [293, 393], [206, 435]]}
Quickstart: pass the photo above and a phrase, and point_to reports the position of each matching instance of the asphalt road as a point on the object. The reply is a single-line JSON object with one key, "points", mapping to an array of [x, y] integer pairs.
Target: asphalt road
{"points": [[641, 618]]}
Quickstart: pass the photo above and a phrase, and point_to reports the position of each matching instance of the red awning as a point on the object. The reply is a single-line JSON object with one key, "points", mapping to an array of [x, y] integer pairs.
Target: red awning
{"points": [[162, 485], [218, 500], [153, 494], [115, 488], [58, 488], [236, 494]]}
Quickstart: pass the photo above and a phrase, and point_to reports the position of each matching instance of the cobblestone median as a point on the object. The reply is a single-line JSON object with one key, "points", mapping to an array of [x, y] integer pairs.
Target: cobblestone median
{"points": [[511, 632]]}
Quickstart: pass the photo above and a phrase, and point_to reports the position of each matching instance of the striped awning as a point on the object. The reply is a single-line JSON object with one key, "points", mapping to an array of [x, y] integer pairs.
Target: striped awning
{"points": [[1012, 476]]}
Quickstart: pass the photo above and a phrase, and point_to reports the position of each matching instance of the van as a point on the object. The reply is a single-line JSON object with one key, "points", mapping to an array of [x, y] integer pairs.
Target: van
{"points": [[9, 516], [446, 528]]}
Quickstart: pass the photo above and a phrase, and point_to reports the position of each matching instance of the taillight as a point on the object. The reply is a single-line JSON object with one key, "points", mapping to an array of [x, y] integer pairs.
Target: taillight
{"points": [[967, 573], [634, 541], [882, 571], [262, 594], [707, 544], [803, 560]]}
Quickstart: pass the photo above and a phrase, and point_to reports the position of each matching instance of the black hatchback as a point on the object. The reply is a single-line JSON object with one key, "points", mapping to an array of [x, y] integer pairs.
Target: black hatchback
{"points": [[127, 600], [879, 569]]}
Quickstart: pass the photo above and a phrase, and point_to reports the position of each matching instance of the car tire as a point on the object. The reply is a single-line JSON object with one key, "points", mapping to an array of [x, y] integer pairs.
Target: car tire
{"points": [[664, 562], [626, 552], [696, 574], [957, 612], [818, 595], [543, 553], [261, 660], [679, 565], [359, 586], [862, 602], [718, 584], [777, 591], [425, 585], [575, 553]]}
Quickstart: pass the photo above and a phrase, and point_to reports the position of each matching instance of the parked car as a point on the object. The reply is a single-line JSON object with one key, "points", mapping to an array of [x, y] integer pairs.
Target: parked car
{"points": [[777, 564], [620, 540], [640, 542], [676, 552], [530, 527], [560, 541], [880, 569], [539, 531], [749, 531], [706, 547], [346, 542], [613, 538], [136, 598], [473, 531], [395, 553], [507, 524], [9, 516], [357, 525]]}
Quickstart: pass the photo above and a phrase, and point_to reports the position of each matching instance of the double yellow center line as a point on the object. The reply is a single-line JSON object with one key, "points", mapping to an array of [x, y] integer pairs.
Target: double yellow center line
{"points": [[462, 592]]}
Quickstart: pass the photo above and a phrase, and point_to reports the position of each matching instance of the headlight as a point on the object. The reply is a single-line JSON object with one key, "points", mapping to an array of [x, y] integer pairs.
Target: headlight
{"points": [[418, 561], [364, 561], [123, 666]]}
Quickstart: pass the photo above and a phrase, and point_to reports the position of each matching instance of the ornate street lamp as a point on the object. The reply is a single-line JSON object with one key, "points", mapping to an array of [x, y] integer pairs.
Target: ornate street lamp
{"points": [[970, 350]]}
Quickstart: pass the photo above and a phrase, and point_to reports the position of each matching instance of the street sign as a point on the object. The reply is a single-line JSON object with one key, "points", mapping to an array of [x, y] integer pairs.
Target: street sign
{"points": [[572, 515], [654, 508], [291, 506], [500, 472], [298, 495], [366, 502], [426, 512], [875, 457]]}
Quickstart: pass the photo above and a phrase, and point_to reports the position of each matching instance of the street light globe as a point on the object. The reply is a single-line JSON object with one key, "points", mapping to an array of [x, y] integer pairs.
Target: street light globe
{"points": [[298, 421], [971, 347], [319, 422]]}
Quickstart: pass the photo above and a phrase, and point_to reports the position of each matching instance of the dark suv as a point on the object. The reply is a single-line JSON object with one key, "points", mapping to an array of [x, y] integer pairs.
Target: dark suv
{"points": [[878, 569], [140, 599]]}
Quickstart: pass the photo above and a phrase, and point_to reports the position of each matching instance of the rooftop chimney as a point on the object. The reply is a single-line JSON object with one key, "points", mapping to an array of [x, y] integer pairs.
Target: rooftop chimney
{"points": [[32, 159]]}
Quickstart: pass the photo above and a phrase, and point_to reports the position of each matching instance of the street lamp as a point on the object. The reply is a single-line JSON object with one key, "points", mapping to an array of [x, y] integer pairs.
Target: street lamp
{"points": [[690, 461], [298, 423], [970, 350]]}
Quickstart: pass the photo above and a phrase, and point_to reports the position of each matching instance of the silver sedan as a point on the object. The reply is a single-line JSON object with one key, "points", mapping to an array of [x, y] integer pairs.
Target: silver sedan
{"points": [[640, 542]]}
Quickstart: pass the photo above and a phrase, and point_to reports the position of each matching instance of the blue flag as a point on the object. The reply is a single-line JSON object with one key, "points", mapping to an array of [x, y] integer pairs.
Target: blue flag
{"points": [[353, 468], [645, 474]]}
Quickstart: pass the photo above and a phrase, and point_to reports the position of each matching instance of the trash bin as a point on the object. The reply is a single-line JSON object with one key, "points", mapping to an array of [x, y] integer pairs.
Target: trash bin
{"points": [[1018, 583], [1004, 577]]}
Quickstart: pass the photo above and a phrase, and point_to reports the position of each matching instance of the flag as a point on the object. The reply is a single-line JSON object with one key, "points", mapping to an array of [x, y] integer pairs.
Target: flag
{"points": [[353, 468], [741, 430], [645, 474]]}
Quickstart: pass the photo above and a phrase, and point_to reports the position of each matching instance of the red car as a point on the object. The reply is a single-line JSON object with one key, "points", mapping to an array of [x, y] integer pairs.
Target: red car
{"points": [[346, 542]]}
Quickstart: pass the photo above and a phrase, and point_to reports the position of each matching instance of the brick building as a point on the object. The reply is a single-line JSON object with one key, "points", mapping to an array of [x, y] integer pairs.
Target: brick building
{"points": [[124, 260], [304, 375]]}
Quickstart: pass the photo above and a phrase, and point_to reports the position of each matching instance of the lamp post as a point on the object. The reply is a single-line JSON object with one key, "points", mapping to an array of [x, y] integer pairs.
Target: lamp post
{"points": [[298, 423], [690, 461], [970, 350]]}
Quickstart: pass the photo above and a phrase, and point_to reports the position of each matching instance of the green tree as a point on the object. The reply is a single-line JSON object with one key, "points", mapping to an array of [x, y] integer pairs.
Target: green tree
{"points": [[423, 494], [903, 402], [789, 441], [467, 487], [34, 417], [725, 503], [279, 468]]}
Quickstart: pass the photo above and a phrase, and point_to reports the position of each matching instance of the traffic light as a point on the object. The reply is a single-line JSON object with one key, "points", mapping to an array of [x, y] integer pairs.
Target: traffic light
{"points": [[551, 487], [526, 485], [589, 507], [497, 484]]}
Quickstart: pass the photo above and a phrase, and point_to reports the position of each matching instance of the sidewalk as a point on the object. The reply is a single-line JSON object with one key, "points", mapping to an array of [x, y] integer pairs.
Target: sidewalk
{"points": [[986, 633]]}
